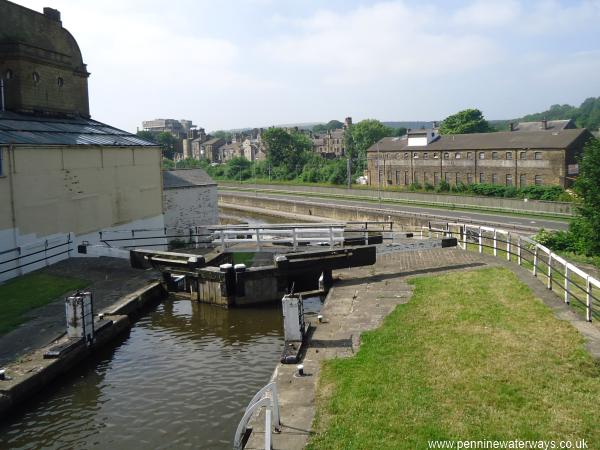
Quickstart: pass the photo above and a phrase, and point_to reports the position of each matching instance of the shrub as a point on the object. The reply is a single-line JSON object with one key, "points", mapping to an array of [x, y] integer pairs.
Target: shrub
{"points": [[444, 186]]}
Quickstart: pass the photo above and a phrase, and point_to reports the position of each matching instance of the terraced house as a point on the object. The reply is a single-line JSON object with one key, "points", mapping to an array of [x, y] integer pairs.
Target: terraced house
{"points": [[545, 156]]}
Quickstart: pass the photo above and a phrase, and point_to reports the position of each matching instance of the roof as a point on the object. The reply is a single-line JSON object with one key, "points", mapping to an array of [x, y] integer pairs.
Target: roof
{"points": [[212, 141], [184, 178], [550, 125], [35, 130], [482, 141]]}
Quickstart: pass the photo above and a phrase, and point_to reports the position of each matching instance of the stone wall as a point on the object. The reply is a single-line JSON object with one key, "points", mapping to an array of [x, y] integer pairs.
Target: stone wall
{"points": [[187, 207]]}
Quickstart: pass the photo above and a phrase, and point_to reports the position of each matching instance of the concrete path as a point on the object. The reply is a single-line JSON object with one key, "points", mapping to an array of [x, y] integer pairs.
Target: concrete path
{"points": [[110, 279], [359, 301]]}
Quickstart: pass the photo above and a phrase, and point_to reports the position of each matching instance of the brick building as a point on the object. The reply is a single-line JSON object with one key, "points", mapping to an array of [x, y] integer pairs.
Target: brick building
{"points": [[546, 157]]}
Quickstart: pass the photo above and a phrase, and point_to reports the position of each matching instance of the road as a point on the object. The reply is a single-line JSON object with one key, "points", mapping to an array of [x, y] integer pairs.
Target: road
{"points": [[484, 218]]}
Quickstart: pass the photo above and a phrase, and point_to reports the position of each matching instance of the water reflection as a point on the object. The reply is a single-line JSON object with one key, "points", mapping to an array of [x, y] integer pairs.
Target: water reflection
{"points": [[181, 379]]}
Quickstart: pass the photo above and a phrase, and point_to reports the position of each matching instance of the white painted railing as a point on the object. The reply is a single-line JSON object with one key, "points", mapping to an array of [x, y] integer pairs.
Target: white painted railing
{"points": [[265, 398], [560, 275]]}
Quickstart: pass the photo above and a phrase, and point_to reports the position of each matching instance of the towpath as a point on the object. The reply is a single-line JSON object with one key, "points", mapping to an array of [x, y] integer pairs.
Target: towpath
{"points": [[110, 279], [359, 301]]}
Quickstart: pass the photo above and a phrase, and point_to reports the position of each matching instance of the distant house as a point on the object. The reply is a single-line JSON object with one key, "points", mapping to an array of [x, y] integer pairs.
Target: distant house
{"points": [[190, 200], [332, 144], [229, 151], [506, 158], [210, 150]]}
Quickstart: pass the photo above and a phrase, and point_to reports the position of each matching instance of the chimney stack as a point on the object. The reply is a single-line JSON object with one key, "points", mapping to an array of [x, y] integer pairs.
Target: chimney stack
{"points": [[52, 14]]}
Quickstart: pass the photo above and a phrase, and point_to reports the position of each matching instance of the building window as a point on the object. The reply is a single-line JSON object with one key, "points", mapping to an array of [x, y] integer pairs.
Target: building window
{"points": [[397, 177], [415, 178], [425, 155], [436, 178], [447, 177], [522, 180], [494, 178], [481, 155], [415, 155], [36, 77], [508, 155], [60, 82], [457, 155], [8, 74], [469, 178], [425, 178], [457, 180], [469, 155], [523, 155], [538, 181], [537, 155], [435, 155], [494, 155], [406, 155], [482, 177], [405, 178], [446, 155], [509, 180]]}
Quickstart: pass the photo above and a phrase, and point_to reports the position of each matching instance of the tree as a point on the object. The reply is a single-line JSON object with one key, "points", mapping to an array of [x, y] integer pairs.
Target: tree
{"points": [[221, 134], [286, 150], [360, 137], [168, 143], [331, 125], [238, 168], [147, 135], [463, 122], [586, 227]]}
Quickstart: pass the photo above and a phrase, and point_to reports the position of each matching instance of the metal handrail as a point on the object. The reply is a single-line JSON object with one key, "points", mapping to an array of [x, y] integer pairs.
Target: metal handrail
{"points": [[533, 248], [261, 399]]}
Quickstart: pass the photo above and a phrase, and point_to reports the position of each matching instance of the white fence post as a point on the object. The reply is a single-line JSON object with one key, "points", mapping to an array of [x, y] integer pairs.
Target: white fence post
{"points": [[258, 238], [495, 243], [480, 241], [295, 239], [331, 238], [588, 299], [519, 250], [268, 445], [508, 246], [567, 283], [550, 271], [464, 228], [535, 258]]}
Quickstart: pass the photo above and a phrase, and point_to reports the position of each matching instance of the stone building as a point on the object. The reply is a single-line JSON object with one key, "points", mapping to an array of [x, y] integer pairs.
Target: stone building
{"points": [[229, 151], [208, 149], [508, 158], [543, 125], [60, 171], [190, 200], [180, 129], [332, 144]]}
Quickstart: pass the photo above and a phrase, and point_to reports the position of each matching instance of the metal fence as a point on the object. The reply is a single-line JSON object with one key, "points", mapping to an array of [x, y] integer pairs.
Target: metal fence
{"points": [[265, 398], [580, 290], [34, 255]]}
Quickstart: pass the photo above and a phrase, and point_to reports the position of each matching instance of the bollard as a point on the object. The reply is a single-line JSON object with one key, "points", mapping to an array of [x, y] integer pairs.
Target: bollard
{"points": [[228, 284], [240, 290], [300, 368]]}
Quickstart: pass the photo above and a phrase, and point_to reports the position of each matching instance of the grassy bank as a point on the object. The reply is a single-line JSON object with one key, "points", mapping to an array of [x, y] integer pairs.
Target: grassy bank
{"points": [[472, 356], [22, 294]]}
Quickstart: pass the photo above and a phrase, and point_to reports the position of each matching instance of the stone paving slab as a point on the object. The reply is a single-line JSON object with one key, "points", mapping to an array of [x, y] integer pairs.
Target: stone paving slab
{"points": [[110, 279]]}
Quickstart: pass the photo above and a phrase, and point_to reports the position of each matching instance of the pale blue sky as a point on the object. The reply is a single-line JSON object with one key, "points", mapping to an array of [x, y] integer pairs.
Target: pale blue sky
{"points": [[244, 63]]}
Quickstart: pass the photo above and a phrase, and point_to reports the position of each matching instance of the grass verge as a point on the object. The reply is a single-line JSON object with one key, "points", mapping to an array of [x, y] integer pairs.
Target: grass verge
{"points": [[472, 356], [22, 294]]}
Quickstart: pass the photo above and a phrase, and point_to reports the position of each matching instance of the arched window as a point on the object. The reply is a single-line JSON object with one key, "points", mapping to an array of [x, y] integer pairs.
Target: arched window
{"points": [[36, 77], [60, 82], [8, 74]]}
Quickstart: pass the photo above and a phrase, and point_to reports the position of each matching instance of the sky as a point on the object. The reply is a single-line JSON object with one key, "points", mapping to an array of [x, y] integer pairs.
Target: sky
{"points": [[250, 63]]}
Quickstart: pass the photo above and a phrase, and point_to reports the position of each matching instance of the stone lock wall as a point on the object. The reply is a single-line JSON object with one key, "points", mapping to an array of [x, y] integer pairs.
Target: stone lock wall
{"points": [[188, 207]]}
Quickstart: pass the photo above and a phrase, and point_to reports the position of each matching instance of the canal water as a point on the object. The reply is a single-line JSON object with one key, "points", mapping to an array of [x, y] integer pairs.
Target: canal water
{"points": [[180, 379]]}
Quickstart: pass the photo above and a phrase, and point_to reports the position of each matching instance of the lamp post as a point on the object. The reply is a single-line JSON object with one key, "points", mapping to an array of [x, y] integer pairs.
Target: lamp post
{"points": [[378, 176]]}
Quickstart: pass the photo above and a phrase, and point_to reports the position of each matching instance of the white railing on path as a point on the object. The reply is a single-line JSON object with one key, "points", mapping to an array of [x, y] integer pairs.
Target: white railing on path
{"points": [[502, 240], [267, 398]]}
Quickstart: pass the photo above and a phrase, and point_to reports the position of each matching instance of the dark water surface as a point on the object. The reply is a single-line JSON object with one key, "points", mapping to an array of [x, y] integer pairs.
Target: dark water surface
{"points": [[180, 379]]}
